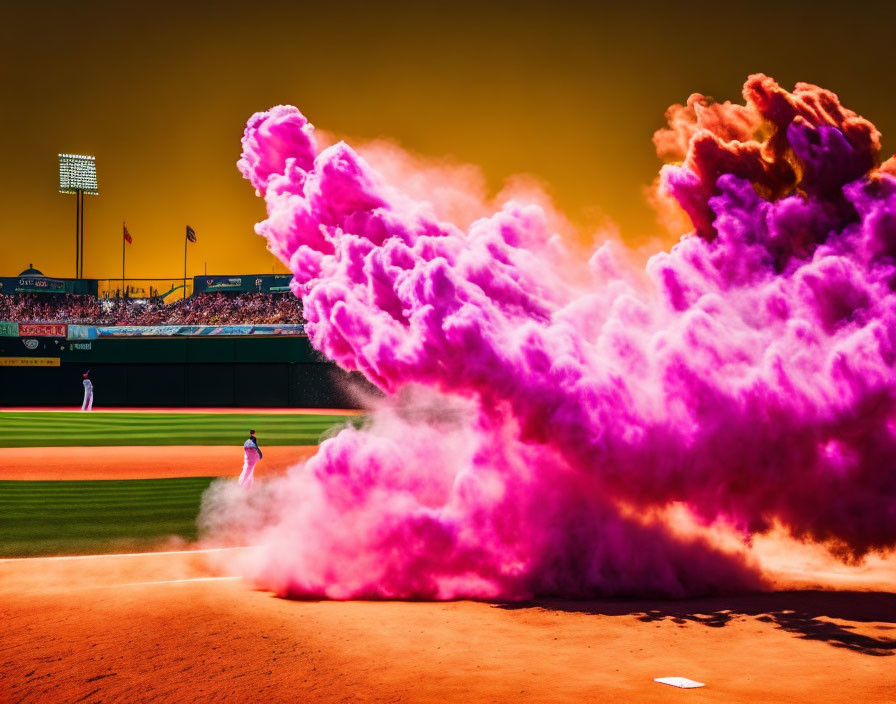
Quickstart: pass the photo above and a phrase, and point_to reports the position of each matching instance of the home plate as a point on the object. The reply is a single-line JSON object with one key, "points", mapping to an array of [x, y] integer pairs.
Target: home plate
{"points": [[682, 682]]}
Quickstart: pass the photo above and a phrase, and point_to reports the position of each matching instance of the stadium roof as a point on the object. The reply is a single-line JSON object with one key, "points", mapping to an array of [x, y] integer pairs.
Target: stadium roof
{"points": [[31, 271]]}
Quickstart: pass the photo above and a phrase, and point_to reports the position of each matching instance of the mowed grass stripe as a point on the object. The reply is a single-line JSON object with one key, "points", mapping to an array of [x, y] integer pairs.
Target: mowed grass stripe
{"points": [[149, 431], [211, 440], [87, 517], [176, 434], [64, 487], [126, 417], [92, 514], [117, 417], [84, 423], [78, 493], [98, 418], [89, 504], [44, 493], [75, 428], [83, 546], [118, 487], [63, 429], [161, 431]]}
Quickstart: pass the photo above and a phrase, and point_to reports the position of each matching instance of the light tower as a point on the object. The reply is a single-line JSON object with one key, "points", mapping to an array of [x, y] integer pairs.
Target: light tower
{"points": [[77, 174]]}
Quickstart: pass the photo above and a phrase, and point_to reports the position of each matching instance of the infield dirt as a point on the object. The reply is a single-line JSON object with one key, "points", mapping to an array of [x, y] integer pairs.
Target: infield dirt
{"points": [[146, 462], [164, 628]]}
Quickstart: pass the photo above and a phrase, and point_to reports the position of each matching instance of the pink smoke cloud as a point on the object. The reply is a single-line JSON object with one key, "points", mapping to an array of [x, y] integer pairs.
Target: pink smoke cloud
{"points": [[544, 410]]}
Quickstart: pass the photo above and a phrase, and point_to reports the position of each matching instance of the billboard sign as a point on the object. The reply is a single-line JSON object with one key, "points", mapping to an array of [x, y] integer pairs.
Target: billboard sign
{"points": [[43, 330], [81, 332], [279, 283], [190, 330], [39, 284], [257, 283], [29, 361], [226, 283]]}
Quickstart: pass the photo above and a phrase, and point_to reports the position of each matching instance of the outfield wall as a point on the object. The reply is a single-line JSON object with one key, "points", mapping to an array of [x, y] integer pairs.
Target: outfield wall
{"points": [[191, 371]]}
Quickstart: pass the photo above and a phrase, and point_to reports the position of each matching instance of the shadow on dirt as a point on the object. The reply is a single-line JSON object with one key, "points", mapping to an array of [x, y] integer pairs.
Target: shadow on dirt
{"points": [[809, 615]]}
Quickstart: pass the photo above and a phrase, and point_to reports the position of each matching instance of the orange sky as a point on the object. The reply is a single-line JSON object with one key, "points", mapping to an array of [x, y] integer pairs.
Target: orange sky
{"points": [[568, 92]]}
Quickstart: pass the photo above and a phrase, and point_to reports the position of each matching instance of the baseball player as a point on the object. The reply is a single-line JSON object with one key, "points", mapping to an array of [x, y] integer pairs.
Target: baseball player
{"points": [[88, 394], [252, 454]]}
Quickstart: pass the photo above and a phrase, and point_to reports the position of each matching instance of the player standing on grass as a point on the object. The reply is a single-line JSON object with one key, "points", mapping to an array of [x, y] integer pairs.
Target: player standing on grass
{"points": [[252, 454], [87, 405]]}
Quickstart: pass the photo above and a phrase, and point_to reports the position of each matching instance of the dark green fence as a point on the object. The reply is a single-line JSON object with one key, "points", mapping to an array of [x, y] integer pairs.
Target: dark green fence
{"points": [[241, 372]]}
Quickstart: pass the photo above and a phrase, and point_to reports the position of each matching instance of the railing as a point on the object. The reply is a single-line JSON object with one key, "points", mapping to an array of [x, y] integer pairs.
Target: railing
{"points": [[166, 289]]}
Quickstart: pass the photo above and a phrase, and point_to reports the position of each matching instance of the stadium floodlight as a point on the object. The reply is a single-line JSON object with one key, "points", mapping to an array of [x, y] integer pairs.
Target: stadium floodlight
{"points": [[77, 175]]}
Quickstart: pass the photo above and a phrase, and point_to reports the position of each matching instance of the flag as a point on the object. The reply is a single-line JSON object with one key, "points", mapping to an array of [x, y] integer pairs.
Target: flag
{"points": [[191, 234], [127, 235]]}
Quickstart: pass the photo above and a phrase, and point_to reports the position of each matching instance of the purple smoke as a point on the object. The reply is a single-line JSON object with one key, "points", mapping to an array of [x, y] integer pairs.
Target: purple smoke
{"points": [[544, 408]]}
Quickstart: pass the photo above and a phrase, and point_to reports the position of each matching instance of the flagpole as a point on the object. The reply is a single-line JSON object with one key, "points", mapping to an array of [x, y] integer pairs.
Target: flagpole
{"points": [[123, 228], [185, 265]]}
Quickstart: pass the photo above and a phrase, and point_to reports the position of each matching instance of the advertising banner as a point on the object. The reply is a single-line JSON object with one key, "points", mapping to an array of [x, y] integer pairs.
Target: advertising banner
{"points": [[278, 283], [253, 283], [81, 332], [226, 283], [278, 330], [43, 330], [10, 285], [188, 330], [9, 329], [29, 361], [39, 284]]}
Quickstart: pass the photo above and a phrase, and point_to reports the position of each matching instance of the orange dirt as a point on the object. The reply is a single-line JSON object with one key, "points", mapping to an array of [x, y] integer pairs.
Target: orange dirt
{"points": [[149, 462], [130, 629], [170, 627]]}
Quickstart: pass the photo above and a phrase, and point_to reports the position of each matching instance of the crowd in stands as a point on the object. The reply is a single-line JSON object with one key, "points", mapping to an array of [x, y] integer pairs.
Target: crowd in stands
{"points": [[201, 309]]}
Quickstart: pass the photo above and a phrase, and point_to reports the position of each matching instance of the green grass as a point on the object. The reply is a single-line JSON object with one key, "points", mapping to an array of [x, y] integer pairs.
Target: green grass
{"points": [[72, 429], [91, 517]]}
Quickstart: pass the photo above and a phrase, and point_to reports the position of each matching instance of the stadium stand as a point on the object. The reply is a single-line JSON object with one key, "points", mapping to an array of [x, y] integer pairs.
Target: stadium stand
{"points": [[199, 309], [235, 341]]}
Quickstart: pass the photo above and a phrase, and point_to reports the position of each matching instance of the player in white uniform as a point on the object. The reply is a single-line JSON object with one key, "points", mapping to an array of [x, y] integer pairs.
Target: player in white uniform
{"points": [[252, 454], [88, 394]]}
